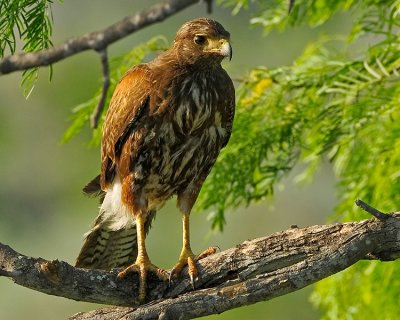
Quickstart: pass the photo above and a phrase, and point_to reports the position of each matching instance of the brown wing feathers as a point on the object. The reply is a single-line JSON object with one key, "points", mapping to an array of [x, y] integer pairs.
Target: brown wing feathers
{"points": [[105, 248], [128, 105]]}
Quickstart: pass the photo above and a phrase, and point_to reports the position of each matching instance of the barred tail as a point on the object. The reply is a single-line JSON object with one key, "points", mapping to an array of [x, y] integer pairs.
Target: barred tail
{"points": [[105, 248]]}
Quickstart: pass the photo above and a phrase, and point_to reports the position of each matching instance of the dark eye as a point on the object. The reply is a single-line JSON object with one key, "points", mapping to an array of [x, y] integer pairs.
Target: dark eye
{"points": [[199, 39]]}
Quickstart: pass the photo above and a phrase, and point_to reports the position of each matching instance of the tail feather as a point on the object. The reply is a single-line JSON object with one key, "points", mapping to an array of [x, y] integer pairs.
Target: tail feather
{"points": [[105, 248], [93, 189]]}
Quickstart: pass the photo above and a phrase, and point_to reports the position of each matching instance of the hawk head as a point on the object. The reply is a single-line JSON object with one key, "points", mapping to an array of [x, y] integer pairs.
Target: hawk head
{"points": [[202, 40]]}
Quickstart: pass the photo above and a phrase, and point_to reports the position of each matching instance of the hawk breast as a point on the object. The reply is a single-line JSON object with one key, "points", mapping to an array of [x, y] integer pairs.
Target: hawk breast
{"points": [[188, 139]]}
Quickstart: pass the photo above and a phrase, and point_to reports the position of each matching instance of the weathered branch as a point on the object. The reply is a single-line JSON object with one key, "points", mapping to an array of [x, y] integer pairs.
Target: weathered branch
{"points": [[253, 271], [98, 40]]}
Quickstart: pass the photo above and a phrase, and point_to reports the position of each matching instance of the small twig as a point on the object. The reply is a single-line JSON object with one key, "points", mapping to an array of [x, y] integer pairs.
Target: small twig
{"points": [[94, 119], [290, 6], [375, 212], [209, 6]]}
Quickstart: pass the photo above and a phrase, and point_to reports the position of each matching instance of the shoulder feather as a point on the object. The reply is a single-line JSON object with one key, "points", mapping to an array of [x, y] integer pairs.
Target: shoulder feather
{"points": [[127, 106]]}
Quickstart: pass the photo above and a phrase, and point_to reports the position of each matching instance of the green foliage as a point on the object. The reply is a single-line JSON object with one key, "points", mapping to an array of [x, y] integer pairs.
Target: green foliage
{"points": [[370, 16], [339, 104], [118, 66], [367, 290], [322, 105], [32, 22], [30, 19]]}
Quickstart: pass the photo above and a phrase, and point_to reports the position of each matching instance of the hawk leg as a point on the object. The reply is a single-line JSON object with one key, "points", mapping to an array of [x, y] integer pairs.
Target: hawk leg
{"points": [[187, 257], [142, 264]]}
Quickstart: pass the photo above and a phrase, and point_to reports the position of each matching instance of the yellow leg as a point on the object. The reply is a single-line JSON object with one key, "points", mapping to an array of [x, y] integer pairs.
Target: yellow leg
{"points": [[187, 257], [142, 264]]}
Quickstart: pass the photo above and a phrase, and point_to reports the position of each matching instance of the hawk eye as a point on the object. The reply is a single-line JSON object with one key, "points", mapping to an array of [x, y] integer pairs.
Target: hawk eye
{"points": [[199, 39]]}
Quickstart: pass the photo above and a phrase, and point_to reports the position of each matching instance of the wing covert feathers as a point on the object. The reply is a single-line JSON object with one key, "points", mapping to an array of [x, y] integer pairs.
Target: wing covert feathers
{"points": [[127, 107]]}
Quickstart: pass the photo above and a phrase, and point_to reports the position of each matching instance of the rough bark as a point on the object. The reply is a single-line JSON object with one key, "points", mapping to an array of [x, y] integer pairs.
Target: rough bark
{"points": [[255, 270]]}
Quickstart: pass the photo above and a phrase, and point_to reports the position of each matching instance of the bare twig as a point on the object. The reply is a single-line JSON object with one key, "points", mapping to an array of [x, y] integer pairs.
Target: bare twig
{"points": [[290, 5], [253, 271], [98, 40], [209, 4], [94, 119], [375, 212]]}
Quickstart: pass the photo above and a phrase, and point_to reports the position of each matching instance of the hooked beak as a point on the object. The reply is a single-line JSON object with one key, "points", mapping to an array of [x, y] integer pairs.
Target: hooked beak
{"points": [[221, 47], [226, 48]]}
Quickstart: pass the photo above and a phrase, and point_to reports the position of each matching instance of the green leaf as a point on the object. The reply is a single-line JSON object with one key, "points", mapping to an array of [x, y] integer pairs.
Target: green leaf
{"points": [[30, 21]]}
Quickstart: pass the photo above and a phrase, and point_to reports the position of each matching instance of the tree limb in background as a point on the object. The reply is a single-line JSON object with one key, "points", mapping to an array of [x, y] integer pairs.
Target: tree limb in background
{"points": [[94, 119], [253, 271], [98, 40]]}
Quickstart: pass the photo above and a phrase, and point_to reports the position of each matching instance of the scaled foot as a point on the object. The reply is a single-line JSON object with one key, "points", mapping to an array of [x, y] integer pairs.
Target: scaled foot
{"points": [[188, 258], [143, 266]]}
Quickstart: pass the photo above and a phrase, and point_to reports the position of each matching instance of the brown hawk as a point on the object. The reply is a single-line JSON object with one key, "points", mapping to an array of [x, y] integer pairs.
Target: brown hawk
{"points": [[165, 126]]}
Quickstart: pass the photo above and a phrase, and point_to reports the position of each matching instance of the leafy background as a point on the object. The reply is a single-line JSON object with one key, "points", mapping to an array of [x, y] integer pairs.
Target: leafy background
{"points": [[316, 127]]}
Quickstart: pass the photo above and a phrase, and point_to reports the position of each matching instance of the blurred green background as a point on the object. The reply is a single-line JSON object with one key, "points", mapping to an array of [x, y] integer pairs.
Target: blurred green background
{"points": [[42, 209]]}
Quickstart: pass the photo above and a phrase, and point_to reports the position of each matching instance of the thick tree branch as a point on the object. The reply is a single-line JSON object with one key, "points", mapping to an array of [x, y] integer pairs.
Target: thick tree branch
{"points": [[98, 40], [253, 271]]}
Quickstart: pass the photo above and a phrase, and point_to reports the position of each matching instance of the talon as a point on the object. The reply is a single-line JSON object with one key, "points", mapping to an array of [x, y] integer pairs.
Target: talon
{"points": [[208, 252], [192, 270], [192, 281], [188, 258], [176, 270], [126, 271], [162, 274], [143, 283], [143, 268]]}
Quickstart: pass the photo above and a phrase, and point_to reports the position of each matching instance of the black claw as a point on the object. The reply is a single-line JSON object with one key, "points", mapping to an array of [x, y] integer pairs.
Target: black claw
{"points": [[170, 278], [192, 280]]}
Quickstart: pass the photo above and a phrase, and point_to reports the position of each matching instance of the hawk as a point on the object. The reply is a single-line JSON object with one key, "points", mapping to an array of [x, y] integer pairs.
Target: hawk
{"points": [[166, 124]]}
